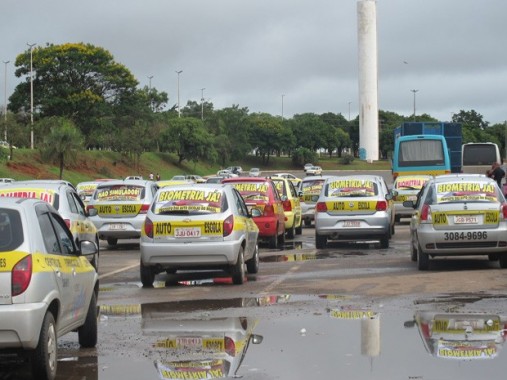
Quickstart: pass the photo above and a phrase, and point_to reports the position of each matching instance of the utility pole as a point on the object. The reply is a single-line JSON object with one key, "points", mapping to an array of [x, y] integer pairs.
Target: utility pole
{"points": [[202, 103], [31, 94], [414, 91], [179, 72], [5, 97]]}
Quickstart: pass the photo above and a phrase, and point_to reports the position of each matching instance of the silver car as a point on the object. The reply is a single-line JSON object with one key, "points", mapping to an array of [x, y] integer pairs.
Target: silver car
{"points": [[48, 287], [356, 207], [459, 215], [118, 208], [199, 226], [406, 188], [309, 194]]}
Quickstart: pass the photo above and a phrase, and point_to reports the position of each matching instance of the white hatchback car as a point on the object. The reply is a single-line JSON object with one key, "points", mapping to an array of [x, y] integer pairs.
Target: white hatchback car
{"points": [[199, 226], [48, 287]]}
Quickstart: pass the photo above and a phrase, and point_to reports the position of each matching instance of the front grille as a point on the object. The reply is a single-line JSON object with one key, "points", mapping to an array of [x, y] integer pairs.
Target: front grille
{"points": [[467, 244]]}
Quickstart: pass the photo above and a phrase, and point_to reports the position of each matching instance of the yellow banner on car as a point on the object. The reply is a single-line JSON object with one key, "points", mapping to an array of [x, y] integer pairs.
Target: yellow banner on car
{"points": [[188, 230], [118, 209], [43, 194], [489, 217], [346, 206]]}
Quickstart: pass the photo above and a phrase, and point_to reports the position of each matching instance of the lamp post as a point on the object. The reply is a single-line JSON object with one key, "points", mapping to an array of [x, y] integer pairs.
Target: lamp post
{"points": [[31, 93], [179, 72], [202, 103], [150, 77], [282, 105], [5, 97], [349, 110], [414, 91]]}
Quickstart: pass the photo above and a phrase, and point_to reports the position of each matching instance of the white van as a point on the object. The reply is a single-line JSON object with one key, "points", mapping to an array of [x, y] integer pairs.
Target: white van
{"points": [[478, 157]]}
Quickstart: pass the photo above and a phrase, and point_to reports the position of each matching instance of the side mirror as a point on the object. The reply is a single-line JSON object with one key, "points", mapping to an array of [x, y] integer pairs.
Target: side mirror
{"points": [[255, 212], [92, 212], [389, 197], [87, 248]]}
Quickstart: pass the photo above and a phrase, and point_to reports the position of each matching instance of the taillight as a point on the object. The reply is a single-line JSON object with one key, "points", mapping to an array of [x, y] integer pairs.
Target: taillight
{"points": [[228, 225], [67, 222], [381, 206], [89, 207], [269, 210], [148, 227], [287, 206], [144, 209], [21, 275], [230, 346], [504, 210], [426, 214], [321, 207]]}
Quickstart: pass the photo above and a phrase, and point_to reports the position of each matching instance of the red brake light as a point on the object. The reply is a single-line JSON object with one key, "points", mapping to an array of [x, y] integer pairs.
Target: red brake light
{"points": [[426, 213], [504, 210], [321, 207], [148, 227], [144, 209], [21, 275], [287, 206], [230, 346], [228, 225], [269, 210], [381, 206]]}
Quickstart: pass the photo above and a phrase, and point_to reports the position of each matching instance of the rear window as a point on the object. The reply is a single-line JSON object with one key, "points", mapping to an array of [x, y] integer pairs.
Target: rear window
{"points": [[410, 183], [480, 154], [312, 187], [120, 193], [11, 231], [352, 188], [47, 195], [466, 191], [194, 201], [280, 186], [252, 190]]}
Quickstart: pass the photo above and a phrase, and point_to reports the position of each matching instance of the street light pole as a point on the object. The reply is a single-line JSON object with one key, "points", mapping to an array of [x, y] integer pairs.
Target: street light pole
{"points": [[31, 93], [5, 97], [202, 103], [179, 72], [349, 110], [150, 77], [414, 91], [282, 105]]}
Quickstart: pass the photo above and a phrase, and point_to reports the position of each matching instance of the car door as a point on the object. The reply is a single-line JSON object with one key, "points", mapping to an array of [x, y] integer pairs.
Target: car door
{"points": [[252, 231], [83, 228]]}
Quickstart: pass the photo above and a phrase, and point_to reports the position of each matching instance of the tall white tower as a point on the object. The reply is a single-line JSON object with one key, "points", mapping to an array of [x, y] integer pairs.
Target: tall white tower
{"points": [[368, 81]]}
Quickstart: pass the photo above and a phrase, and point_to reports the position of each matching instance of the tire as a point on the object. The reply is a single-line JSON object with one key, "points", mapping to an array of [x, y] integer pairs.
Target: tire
{"points": [[320, 241], [299, 229], [112, 241], [384, 241], [423, 259], [44, 358], [95, 260], [281, 239], [308, 222], [87, 334], [413, 252], [291, 232], [147, 275], [502, 259], [238, 269], [392, 229], [252, 265], [273, 242], [493, 257]]}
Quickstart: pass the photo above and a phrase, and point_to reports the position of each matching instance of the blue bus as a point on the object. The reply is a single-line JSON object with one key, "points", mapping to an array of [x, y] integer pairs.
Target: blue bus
{"points": [[420, 154]]}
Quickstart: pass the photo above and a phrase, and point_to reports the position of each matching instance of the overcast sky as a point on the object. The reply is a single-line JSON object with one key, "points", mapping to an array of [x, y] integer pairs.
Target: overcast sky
{"points": [[251, 52]]}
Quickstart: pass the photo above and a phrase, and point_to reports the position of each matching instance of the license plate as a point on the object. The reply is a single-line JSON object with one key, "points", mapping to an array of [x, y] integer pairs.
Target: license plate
{"points": [[117, 226], [351, 223], [466, 219], [184, 232], [189, 342]]}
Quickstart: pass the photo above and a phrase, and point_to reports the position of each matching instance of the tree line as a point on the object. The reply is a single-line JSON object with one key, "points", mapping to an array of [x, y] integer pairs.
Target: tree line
{"points": [[84, 99]]}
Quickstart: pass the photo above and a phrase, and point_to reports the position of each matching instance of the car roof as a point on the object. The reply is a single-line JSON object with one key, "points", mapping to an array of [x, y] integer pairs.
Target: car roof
{"points": [[138, 182], [314, 177], [53, 185], [246, 179], [462, 177]]}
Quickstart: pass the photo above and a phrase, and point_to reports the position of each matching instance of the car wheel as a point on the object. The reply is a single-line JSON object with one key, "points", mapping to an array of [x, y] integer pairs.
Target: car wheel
{"points": [[95, 260], [291, 232], [252, 265], [299, 229], [384, 241], [112, 241], [503, 261], [423, 259], [392, 229], [44, 357], [238, 269], [320, 241], [87, 334], [397, 218], [413, 251], [273, 242], [281, 238], [308, 222], [493, 257], [147, 275]]}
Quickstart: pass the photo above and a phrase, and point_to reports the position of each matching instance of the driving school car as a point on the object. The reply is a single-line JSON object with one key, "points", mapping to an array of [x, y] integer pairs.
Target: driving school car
{"points": [[310, 190], [196, 227], [406, 188], [291, 206], [85, 189], [459, 215], [354, 208], [48, 287], [118, 208]]}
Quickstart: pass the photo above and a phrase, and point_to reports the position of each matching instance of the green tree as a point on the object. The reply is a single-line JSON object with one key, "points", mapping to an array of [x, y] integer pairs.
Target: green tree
{"points": [[309, 130], [62, 143], [265, 134], [470, 119]]}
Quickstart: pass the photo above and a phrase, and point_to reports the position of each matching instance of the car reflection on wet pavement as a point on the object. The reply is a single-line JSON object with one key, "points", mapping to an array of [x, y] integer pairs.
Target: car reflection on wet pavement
{"points": [[300, 337]]}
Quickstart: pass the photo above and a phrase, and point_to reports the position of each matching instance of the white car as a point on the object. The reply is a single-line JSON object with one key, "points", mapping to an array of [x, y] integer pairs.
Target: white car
{"points": [[314, 170], [254, 172]]}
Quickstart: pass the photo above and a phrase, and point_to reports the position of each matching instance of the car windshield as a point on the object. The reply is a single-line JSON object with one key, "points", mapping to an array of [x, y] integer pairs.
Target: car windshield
{"points": [[11, 231], [120, 193], [189, 201], [257, 191], [466, 192], [352, 188]]}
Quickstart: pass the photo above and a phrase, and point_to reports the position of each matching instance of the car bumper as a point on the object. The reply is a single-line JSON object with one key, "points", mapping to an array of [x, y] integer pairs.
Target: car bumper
{"points": [[438, 242], [21, 325], [334, 227], [307, 211], [400, 210], [119, 228], [188, 255], [267, 226]]}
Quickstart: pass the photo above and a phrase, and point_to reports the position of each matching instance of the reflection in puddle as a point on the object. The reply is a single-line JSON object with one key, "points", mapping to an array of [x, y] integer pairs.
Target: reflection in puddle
{"points": [[309, 256]]}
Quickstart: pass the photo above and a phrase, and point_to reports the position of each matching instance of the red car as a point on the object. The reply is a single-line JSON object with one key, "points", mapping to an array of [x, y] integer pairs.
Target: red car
{"points": [[261, 193]]}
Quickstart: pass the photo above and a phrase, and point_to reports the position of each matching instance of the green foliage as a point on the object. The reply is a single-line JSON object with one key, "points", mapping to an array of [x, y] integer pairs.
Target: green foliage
{"points": [[346, 159], [471, 119], [302, 156]]}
